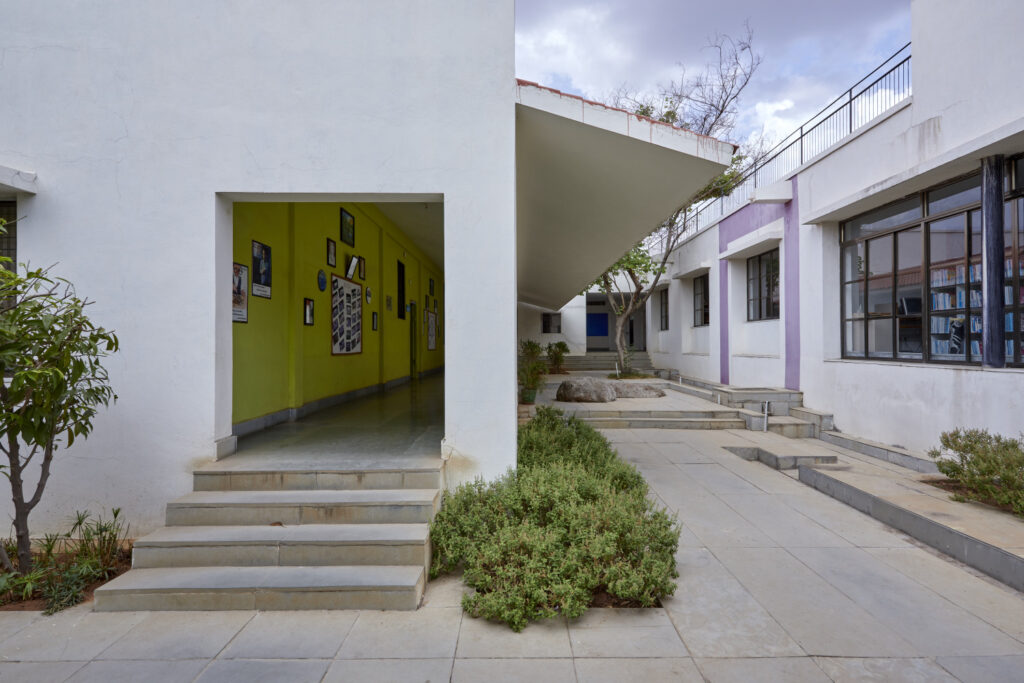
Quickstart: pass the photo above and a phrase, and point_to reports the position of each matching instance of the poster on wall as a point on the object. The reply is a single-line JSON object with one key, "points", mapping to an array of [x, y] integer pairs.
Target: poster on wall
{"points": [[239, 293], [431, 331], [346, 316], [261, 275]]}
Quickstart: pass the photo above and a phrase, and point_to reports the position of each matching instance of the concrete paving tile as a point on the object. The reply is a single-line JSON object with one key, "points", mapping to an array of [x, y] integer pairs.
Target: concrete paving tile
{"points": [[445, 591], [74, 634], [182, 671], [765, 478], [390, 670], [787, 527], [717, 525], [681, 453], [984, 669], [781, 669], [618, 670], [931, 623], [482, 639], [622, 617], [423, 634], [855, 670], [983, 597], [12, 622], [717, 617], [719, 480], [656, 641], [853, 525], [264, 671], [292, 635], [177, 635], [820, 618], [522, 670], [38, 672]]}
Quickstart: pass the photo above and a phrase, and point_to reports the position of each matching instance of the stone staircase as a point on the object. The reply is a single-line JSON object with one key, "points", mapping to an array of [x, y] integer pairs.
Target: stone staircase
{"points": [[292, 537], [605, 360]]}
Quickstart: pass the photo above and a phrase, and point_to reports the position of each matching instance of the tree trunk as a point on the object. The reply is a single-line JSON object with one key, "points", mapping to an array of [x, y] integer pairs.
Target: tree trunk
{"points": [[620, 341], [22, 537]]}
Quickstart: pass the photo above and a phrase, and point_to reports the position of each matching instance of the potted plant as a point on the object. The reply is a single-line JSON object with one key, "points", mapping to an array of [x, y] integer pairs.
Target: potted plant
{"points": [[530, 350], [530, 375], [556, 356]]}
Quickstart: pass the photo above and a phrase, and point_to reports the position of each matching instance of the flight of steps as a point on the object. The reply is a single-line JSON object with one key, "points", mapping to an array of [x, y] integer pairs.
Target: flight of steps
{"points": [[605, 360], [288, 539]]}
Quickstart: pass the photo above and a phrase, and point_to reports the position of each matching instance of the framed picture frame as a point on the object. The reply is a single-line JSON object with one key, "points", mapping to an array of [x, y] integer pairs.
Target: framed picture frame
{"points": [[332, 253], [261, 270], [353, 266], [239, 293], [362, 268], [307, 311], [374, 319], [348, 228], [346, 316]]}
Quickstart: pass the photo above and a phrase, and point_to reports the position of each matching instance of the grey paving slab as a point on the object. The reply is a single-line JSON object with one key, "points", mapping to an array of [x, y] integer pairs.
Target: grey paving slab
{"points": [[519, 670], [444, 591], [718, 480], [264, 671], [934, 625], [618, 670], [717, 617], [390, 670], [177, 635], [482, 639], [624, 642], [181, 671], [75, 634], [621, 617], [292, 635], [855, 670], [787, 527], [716, 524], [856, 527], [12, 622], [821, 619], [423, 634], [984, 669], [38, 672], [781, 669]]}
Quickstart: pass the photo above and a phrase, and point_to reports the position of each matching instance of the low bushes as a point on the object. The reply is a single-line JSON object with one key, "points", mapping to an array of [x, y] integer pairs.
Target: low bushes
{"points": [[572, 522], [989, 467], [67, 565]]}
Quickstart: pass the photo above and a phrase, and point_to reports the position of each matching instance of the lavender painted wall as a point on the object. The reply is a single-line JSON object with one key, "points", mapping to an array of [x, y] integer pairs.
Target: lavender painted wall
{"points": [[743, 222]]}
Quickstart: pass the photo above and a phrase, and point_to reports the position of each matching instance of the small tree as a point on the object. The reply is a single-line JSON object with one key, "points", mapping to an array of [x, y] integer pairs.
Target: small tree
{"points": [[51, 382], [706, 103]]}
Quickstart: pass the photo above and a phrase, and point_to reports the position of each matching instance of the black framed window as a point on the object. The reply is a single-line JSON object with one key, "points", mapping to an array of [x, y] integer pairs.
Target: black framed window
{"points": [[701, 301], [551, 323], [763, 286], [663, 307], [9, 241]]}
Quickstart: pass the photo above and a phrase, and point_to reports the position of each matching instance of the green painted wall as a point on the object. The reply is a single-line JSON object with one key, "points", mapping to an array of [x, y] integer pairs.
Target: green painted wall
{"points": [[280, 363]]}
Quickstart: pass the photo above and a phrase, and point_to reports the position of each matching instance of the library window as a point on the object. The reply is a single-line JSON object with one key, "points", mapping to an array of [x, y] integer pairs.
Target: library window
{"points": [[551, 323], [911, 278], [701, 302], [763, 286], [9, 241], [663, 305]]}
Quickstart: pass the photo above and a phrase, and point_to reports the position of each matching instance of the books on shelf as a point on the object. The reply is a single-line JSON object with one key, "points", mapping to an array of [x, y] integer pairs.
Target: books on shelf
{"points": [[947, 276], [944, 300], [975, 272]]}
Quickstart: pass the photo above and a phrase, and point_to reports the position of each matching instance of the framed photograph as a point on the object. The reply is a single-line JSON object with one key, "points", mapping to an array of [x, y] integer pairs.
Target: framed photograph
{"points": [[353, 265], [261, 270], [332, 253], [348, 228], [431, 331], [307, 311], [346, 316], [362, 268], [239, 293], [374, 318]]}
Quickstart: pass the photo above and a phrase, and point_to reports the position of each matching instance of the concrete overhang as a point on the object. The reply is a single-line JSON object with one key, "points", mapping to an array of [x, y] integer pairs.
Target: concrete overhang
{"points": [[591, 181], [699, 269], [14, 181], [756, 242], [776, 193]]}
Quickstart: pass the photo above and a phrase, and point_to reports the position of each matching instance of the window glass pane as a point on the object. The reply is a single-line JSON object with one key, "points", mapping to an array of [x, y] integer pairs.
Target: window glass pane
{"points": [[880, 338], [960, 193], [947, 240], [947, 271], [853, 300], [882, 219], [908, 337], [854, 337], [853, 261], [1020, 173], [948, 337], [975, 337], [908, 276], [880, 256], [880, 295]]}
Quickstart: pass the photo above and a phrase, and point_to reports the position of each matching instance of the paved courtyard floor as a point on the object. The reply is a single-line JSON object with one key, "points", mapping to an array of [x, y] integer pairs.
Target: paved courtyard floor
{"points": [[777, 582]]}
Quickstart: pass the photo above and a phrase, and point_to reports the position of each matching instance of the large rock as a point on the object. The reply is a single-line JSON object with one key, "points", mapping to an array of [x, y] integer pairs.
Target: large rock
{"points": [[585, 390], [636, 390]]}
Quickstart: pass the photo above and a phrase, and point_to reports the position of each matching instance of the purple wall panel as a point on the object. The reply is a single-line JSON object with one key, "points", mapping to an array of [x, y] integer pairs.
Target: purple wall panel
{"points": [[791, 240]]}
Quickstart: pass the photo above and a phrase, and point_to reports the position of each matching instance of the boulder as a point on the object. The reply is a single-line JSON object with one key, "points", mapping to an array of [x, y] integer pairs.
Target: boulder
{"points": [[585, 390], [636, 390]]}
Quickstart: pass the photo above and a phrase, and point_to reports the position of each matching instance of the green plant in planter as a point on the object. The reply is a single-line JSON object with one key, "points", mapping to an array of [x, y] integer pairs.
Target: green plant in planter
{"points": [[556, 355], [989, 466], [530, 375], [530, 350]]}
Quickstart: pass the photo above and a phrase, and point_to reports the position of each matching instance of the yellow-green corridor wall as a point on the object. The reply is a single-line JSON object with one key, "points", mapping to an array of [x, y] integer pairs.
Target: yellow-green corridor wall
{"points": [[279, 362]]}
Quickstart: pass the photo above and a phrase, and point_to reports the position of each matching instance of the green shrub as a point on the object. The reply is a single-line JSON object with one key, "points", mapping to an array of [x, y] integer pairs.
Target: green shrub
{"points": [[556, 355], [572, 520], [989, 466], [530, 350]]}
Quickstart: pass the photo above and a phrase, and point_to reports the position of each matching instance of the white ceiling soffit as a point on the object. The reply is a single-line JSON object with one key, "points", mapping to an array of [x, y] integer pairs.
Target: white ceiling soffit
{"points": [[14, 181], [422, 222], [591, 181]]}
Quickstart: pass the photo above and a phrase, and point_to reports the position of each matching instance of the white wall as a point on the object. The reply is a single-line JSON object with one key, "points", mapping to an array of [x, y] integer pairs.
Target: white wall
{"points": [[574, 325], [136, 115]]}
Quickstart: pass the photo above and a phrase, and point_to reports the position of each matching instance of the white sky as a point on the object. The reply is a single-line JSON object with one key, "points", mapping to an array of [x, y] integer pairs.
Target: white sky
{"points": [[812, 51]]}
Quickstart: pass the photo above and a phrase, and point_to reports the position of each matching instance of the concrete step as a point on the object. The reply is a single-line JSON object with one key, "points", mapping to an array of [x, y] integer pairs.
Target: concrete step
{"points": [[785, 425], [264, 588], [299, 545], [231, 479], [822, 421], [585, 414], [893, 454], [779, 458], [664, 423], [380, 506]]}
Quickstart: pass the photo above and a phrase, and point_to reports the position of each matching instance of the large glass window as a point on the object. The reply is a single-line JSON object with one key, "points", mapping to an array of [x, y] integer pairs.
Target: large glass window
{"points": [[663, 306], [551, 323], [701, 301], [9, 241], [763, 286]]}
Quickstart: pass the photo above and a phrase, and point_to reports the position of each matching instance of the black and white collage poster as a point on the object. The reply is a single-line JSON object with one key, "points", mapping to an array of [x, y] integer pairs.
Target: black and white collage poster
{"points": [[346, 316]]}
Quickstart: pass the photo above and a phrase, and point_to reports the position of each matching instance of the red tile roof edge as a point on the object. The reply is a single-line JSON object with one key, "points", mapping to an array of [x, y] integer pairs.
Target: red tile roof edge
{"points": [[639, 117]]}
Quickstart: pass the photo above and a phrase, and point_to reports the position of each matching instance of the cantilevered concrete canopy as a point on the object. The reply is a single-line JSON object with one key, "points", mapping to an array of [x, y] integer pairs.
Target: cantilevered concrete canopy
{"points": [[591, 181]]}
